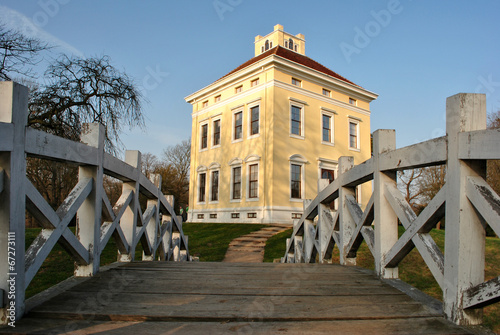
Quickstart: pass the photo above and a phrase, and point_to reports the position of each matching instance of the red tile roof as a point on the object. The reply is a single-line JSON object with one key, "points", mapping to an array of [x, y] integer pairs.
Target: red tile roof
{"points": [[294, 57]]}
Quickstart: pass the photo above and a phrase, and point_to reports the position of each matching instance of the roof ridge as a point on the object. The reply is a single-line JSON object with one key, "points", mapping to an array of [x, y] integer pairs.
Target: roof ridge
{"points": [[294, 57]]}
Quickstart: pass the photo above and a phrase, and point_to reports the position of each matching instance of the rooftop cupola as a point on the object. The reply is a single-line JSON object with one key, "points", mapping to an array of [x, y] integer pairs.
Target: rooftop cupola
{"points": [[295, 43]]}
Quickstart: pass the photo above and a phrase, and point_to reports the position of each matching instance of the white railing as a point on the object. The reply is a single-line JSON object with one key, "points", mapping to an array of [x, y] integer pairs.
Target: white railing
{"points": [[466, 201], [158, 229]]}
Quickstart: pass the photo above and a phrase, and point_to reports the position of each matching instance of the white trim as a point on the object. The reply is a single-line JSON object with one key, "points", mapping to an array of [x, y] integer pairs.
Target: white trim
{"points": [[356, 122], [328, 164], [214, 166], [203, 123], [198, 184], [210, 184], [251, 105], [234, 112], [274, 60], [300, 161], [253, 162], [235, 161], [298, 101], [293, 103], [298, 158], [290, 87], [252, 158], [218, 118], [231, 185], [201, 168], [331, 115], [320, 97]]}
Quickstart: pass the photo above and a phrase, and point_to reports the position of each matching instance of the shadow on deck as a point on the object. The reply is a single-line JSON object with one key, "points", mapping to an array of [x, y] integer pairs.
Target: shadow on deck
{"points": [[232, 298]]}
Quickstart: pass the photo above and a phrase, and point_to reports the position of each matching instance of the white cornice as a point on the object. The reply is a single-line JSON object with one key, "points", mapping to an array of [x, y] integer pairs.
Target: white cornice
{"points": [[280, 84], [320, 97], [283, 64]]}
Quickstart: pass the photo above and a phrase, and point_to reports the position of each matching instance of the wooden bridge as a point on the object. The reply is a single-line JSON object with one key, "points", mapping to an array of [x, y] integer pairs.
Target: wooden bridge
{"points": [[131, 297]]}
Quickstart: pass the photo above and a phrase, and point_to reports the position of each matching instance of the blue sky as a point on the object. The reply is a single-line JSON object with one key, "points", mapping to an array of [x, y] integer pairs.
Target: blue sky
{"points": [[414, 54]]}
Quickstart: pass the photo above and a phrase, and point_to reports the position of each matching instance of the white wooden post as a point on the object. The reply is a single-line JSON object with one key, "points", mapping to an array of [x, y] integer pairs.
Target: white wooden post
{"points": [[88, 226], [347, 225], [129, 218], [465, 236], [325, 227], [13, 110], [386, 221], [154, 222]]}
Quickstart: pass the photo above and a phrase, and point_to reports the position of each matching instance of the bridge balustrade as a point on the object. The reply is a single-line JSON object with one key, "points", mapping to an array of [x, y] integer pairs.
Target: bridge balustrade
{"points": [[466, 201], [157, 228]]}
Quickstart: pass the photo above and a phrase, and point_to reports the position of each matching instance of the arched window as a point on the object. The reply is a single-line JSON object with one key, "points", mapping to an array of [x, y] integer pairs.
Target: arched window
{"points": [[290, 44], [286, 44], [267, 45]]}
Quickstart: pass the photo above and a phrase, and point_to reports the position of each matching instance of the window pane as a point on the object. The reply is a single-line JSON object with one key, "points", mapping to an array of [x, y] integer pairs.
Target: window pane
{"points": [[238, 122], [237, 183], [296, 120], [201, 190], [296, 180], [353, 135], [254, 181], [255, 120], [217, 132], [204, 136], [215, 186], [326, 129]]}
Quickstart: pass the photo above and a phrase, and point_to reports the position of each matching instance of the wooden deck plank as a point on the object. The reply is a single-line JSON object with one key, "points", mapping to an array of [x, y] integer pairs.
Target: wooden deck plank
{"points": [[214, 298], [433, 326]]}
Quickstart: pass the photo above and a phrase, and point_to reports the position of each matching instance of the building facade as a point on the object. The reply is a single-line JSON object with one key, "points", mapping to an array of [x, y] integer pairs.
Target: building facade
{"points": [[265, 133]]}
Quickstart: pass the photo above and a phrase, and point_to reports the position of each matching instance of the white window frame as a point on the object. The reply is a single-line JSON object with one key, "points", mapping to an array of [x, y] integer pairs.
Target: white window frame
{"points": [[213, 132], [236, 111], [249, 127], [330, 114], [214, 167], [353, 102], [324, 90], [302, 127], [328, 164], [296, 82], [203, 123], [301, 161], [356, 122], [254, 82], [235, 163], [252, 160], [201, 170]]}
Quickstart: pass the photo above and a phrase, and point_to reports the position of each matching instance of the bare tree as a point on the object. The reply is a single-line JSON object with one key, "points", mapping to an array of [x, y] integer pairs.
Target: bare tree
{"points": [[431, 181], [18, 53], [408, 183], [179, 156], [149, 162], [175, 172], [86, 90]]}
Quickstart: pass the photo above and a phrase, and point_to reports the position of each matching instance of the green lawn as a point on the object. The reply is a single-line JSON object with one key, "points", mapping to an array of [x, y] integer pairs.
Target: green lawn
{"points": [[210, 241]]}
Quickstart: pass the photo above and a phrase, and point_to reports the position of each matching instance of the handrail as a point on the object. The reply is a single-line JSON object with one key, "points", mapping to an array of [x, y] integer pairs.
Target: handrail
{"points": [[158, 229], [466, 200]]}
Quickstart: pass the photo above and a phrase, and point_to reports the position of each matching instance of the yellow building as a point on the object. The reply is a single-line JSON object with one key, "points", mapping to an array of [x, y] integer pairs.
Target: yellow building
{"points": [[265, 133]]}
